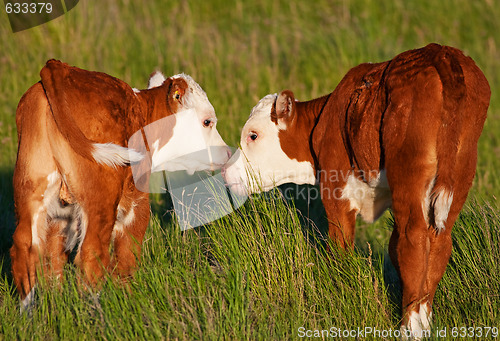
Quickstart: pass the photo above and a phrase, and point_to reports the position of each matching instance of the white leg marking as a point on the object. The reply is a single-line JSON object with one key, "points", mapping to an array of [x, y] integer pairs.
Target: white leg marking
{"points": [[425, 317], [414, 325], [418, 325]]}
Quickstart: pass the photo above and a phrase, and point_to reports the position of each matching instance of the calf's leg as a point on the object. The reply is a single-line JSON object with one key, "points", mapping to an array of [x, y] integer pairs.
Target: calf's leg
{"points": [[28, 247], [129, 234]]}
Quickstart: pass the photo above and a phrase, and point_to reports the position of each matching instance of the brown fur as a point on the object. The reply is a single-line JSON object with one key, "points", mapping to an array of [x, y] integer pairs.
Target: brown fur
{"points": [[419, 117], [58, 120]]}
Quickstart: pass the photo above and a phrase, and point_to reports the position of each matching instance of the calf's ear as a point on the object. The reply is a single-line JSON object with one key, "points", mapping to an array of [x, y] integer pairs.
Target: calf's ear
{"points": [[176, 94], [283, 111], [155, 79]]}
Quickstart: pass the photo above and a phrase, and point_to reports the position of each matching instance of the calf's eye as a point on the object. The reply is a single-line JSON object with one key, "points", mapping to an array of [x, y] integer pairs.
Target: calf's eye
{"points": [[253, 136], [207, 123]]}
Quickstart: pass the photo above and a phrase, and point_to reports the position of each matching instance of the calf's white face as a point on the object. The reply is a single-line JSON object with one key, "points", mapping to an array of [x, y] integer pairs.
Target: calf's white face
{"points": [[261, 164], [188, 140], [195, 144]]}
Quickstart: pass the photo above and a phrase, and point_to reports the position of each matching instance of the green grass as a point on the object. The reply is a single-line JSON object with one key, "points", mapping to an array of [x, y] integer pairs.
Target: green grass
{"points": [[254, 275], [258, 273]]}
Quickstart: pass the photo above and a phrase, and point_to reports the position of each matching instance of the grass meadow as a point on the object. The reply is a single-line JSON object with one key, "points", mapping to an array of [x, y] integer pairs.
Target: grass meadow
{"points": [[261, 272]]}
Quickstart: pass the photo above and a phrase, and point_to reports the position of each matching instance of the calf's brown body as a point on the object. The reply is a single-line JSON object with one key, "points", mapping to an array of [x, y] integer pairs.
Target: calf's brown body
{"points": [[415, 119], [63, 197]]}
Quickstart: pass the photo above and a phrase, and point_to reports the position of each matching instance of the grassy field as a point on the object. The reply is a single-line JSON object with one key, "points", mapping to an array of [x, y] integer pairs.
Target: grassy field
{"points": [[259, 273]]}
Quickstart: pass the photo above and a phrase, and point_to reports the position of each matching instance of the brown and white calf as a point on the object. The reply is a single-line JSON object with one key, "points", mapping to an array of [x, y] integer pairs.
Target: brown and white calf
{"points": [[73, 184], [400, 134]]}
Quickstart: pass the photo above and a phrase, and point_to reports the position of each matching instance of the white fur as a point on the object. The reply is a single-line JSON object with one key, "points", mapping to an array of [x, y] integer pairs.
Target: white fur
{"points": [[195, 97], [192, 147], [35, 226], [113, 155], [156, 80], [123, 219], [73, 216], [262, 164], [76, 229], [368, 199], [53, 177], [442, 204], [425, 317], [39, 219], [418, 325]]}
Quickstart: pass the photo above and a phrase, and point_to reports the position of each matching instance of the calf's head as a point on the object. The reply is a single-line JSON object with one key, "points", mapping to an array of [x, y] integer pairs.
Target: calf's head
{"points": [[182, 133], [273, 148]]}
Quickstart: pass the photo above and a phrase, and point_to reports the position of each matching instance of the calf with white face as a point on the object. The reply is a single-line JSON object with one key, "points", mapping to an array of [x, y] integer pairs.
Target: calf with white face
{"points": [[261, 163], [87, 145], [187, 140], [400, 134], [195, 143]]}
